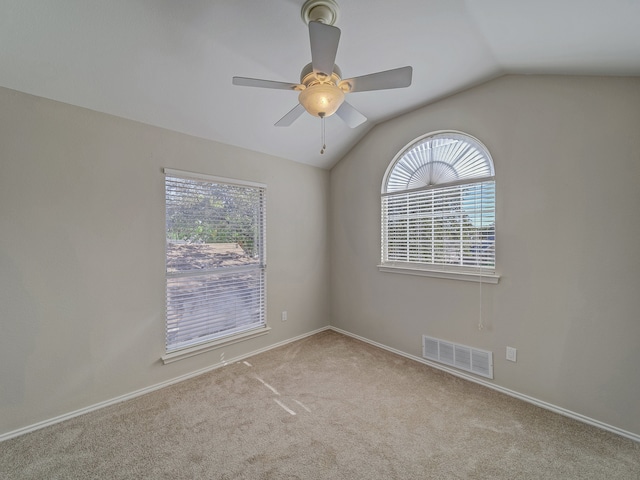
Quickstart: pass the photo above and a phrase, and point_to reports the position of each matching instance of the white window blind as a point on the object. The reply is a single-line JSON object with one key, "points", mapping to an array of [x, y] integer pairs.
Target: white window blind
{"points": [[438, 205], [441, 226], [215, 259]]}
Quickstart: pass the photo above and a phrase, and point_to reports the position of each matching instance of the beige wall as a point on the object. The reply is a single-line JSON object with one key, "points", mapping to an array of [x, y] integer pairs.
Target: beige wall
{"points": [[82, 248], [82, 253], [567, 158]]}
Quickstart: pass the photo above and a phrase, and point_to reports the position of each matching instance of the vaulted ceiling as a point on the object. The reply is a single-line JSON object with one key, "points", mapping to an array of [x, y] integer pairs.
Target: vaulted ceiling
{"points": [[169, 63]]}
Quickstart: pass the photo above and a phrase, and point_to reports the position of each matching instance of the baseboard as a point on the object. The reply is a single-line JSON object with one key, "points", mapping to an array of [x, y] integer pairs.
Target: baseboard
{"points": [[143, 391], [540, 403]]}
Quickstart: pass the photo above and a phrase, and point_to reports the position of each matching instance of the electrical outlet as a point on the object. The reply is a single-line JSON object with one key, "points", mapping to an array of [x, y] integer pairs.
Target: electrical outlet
{"points": [[511, 354], [284, 316]]}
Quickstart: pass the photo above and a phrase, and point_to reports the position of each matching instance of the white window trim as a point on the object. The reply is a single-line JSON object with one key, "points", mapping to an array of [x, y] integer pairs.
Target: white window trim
{"points": [[209, 345], [429, 271], [212, 345], [450, 272], [212, 178]]}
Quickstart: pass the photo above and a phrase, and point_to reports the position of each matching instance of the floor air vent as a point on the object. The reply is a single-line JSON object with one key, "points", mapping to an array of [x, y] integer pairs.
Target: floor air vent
{"points": [[465, 358]]}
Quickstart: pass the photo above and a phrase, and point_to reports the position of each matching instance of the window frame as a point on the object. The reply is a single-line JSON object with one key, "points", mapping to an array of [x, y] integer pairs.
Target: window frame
{"points": [[210, 343], [448, 271]]}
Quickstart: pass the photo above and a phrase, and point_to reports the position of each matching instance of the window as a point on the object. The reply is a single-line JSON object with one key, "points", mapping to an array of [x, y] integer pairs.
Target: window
{"points": [[215, 261], [438, 209]]}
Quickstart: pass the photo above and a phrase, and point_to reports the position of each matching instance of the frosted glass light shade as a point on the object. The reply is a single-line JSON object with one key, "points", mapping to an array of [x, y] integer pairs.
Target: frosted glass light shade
{"points": [[321, 100]]}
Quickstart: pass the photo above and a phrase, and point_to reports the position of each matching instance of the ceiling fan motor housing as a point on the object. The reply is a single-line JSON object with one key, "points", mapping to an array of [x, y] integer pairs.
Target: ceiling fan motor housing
{"points": [[308, 77]]}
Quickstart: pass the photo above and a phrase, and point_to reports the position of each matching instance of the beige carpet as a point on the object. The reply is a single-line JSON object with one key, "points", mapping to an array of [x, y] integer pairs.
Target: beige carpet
{"points": [[325, 407]]}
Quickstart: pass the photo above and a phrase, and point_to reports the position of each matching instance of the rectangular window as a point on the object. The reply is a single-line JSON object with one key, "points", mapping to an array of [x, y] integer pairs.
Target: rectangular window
{"points": [[215, 258], [444, 227]]}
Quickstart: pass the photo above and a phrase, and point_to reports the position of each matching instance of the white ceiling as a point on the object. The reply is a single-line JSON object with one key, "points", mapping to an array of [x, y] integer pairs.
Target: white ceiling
{"points": [[169, 62]]}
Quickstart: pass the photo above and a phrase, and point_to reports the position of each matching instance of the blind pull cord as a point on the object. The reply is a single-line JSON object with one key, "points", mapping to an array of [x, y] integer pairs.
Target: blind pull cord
{"points": [[479, 257], [480, 324]]}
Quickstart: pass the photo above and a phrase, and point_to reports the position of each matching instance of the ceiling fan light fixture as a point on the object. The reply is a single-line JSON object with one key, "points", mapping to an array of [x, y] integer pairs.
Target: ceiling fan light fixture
{"points": [[322, 99]]}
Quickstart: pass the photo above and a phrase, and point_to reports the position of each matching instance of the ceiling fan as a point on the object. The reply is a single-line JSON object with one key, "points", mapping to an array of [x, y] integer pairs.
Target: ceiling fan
{"points": [[322, 89]]}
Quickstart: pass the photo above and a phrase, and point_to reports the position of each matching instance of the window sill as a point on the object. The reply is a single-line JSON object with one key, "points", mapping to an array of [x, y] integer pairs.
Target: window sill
{"points": [[205, 347], [491, 278]]}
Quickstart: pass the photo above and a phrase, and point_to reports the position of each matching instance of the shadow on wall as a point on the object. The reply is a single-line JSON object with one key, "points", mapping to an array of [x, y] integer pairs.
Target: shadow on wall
{"points": [[19, 328]]}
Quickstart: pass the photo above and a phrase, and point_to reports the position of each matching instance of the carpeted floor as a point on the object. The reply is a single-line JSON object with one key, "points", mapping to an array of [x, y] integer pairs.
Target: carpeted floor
{"points": [[326, 407]]}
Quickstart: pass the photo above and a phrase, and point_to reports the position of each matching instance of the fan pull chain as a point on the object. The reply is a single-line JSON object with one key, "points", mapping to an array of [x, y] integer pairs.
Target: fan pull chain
{"points": [[324, 145]]}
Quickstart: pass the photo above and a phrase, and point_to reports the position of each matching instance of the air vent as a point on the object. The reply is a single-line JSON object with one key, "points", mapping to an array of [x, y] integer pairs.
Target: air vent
{"points": [[465, 358]]}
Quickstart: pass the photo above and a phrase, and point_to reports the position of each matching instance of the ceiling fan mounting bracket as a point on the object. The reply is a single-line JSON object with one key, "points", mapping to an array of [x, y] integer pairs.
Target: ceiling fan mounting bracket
{"points": [[323, 11]]}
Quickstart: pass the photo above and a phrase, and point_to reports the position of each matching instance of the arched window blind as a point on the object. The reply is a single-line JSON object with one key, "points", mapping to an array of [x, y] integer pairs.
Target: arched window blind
{"points": [[438, 205]]}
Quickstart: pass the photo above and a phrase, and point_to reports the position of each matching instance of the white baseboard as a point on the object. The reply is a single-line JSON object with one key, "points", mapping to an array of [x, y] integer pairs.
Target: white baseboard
{"points": [[143, 391], [540, 403]]}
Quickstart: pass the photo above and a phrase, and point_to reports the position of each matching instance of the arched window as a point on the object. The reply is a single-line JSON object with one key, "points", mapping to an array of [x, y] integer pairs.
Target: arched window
{"points": [[438, 206]]}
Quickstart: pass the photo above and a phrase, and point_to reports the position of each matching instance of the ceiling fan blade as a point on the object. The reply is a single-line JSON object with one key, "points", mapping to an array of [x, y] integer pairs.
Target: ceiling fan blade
{"points": [[396, 78], [350, 115], [256, 82], [290, 117], [324, 46]]}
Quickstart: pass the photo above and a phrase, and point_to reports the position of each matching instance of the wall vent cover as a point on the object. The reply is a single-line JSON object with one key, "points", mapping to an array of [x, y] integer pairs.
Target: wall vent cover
{"points": [[465, 358]]}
